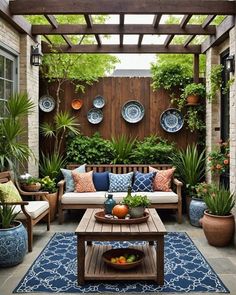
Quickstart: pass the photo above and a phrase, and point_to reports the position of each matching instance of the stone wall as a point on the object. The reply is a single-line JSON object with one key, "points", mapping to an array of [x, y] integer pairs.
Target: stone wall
{"points": [[28, 82]]}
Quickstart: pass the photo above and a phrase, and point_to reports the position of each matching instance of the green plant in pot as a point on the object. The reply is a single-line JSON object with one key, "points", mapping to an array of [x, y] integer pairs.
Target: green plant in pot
{"points": [[31, 184], [193, 92], [218, 222], [136, 204], [12, 233]]}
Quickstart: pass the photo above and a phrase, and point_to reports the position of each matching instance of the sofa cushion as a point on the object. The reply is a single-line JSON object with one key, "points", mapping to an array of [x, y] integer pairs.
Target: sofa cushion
{"points": [[83, 182], [34, 208], [120, 182], [143, 182], [70, 185], [98, 198], [10, 192], [101, 181], [162, 180]]}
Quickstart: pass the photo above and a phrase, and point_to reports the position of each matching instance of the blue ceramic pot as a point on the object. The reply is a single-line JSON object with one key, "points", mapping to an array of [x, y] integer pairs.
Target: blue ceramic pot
{"points": [[196, 211], [109, 204], [13, 245]]}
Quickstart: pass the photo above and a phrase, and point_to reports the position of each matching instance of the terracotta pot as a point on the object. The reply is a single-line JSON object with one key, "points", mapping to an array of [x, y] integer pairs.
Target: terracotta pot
{"points": [[53, 200], [193, 99], [219, 230], [33, 187]]}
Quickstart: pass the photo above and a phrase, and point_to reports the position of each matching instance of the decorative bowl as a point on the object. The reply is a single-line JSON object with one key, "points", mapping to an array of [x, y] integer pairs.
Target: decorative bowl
{"points": [[76, 104], [47, 103], [171, 120], [95, 116], [112, 253], [99, 102], [132, 111]]}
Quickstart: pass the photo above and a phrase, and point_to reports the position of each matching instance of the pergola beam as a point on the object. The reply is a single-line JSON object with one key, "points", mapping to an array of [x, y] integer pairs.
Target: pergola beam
{"points": [[156, 20], [52, 20], [208, 20], [122, 22], [168, 40], [194, 49], [89, 22], [140, 39], [126, 29], [68, 41], [185, 20], [222, 32], [189, 39], [24, 7]]}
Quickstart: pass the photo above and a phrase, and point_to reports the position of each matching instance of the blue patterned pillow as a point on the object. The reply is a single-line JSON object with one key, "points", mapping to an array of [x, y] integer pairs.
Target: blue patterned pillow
{"points": [[143, 182], [70, 185], [120, 182]]}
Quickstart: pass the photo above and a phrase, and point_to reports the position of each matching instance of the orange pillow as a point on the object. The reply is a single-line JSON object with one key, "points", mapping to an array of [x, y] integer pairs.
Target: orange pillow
{"points": [[83, 182], [162, 180]]}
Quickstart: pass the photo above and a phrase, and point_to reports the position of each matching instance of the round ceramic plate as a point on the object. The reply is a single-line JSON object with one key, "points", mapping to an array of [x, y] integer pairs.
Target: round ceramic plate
{"points": [[99, 102], [76, 104], [132, 111], [46, 103], [95, 116], [171, 120]]}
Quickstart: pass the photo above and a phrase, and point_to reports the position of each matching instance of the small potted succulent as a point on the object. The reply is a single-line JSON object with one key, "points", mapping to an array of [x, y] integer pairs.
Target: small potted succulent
{"points": [[136, 204], [193, 92], [218, 222]]}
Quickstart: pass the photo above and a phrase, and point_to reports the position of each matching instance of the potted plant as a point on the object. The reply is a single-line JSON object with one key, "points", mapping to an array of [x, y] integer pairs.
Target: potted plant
{"points": [[31, 184], [218, 222], [136, 204], [193, 92], [12, 233], [50, 186]]}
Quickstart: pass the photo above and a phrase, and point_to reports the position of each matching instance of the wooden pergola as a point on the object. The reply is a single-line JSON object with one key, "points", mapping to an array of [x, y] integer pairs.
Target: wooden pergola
{"points": [[14, 11]]}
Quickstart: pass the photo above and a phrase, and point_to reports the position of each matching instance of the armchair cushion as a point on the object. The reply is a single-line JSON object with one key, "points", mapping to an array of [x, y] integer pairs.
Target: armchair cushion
{"points": [[34, 208], [10, 192]]}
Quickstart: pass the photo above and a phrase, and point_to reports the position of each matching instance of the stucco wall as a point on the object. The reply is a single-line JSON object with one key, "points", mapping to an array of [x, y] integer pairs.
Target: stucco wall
{"points": [[27, 82]]}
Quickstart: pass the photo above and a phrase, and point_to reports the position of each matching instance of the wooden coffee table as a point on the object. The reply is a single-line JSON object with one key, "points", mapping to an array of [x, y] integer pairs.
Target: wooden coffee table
{"points": [[89, 258]]}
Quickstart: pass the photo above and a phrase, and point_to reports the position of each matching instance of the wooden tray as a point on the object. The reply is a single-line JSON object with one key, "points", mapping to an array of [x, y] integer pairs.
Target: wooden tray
{"points": [[100, 217]]}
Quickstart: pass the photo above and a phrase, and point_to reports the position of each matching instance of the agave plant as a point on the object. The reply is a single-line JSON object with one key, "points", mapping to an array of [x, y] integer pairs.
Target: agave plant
{"points": [[11, 131], [122, 148], [190, 165], [62, 124], [50, 165], [219, 201]]}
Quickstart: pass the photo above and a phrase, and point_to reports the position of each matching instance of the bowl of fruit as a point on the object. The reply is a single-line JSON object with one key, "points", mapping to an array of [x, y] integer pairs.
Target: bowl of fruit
{"points": [[123, 258]]}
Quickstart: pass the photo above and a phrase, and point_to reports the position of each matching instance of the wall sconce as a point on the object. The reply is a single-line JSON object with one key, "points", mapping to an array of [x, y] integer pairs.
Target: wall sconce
{"points": [[36, 55], [230, 63]]}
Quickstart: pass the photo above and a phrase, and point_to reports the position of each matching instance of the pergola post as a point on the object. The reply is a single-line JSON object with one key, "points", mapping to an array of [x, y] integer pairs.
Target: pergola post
{"points": [[196, 68]]}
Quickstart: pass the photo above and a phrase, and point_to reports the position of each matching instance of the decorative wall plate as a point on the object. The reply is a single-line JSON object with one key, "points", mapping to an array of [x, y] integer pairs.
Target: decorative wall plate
{"points": [[46, 103], [95, 116], [76, 104], [132, 111], [171, 120], [99, 102]]}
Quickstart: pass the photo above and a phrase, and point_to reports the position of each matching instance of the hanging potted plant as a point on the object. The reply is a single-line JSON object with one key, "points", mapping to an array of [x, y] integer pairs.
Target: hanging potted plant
{"points": [[218, 222], [193, 92], [13, 235]]}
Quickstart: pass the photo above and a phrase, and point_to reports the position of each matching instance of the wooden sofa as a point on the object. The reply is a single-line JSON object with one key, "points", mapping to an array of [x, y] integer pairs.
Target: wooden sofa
{"points": [[64, 204]]}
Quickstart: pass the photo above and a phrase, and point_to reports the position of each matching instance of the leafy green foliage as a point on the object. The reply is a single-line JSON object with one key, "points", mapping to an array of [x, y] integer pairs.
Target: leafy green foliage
{"points": [[12, 151], [193, 118], [31, 180], [48, 184], [219, 158], [189, 165], [122, 149], [136, 201], [152, 149], [50, 165], [7, 213], [215, 81], [169, 75], [219, 201], [195, 89], [90, 150]]}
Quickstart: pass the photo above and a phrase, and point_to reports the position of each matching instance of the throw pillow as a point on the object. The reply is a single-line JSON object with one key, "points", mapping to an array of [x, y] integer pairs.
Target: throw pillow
{"points": [[143, 182], [162, 180], [101, 181], [70, 185], [10, 192], [83, 182], [120, 182]]}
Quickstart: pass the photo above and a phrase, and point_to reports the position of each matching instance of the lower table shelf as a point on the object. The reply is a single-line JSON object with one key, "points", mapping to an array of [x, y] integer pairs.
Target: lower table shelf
{"points": [[96, 269]]}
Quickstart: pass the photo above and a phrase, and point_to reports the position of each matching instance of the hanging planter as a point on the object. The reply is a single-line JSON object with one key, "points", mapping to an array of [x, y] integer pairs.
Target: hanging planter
{"points": [[193, 92]]}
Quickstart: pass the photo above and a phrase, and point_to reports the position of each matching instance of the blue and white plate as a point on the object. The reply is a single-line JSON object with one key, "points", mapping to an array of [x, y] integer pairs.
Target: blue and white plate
{"points": [[99, 102], [132, 111], [46, 103], [171, 120], [95, 116]]}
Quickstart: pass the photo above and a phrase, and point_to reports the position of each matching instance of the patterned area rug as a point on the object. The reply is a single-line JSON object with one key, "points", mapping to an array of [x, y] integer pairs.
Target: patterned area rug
{"points": [[186, 270]]}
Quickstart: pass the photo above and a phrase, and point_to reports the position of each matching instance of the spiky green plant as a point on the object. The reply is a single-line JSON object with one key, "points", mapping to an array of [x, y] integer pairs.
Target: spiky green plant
{"points": [[122, 148], [62, 124], [190, 166], [219, 201], [50, 165], [12, 150], [7, 213]]}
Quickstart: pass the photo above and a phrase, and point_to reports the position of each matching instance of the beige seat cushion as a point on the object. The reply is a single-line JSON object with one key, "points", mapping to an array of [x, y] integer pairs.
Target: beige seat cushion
{"points": [[98, 198], [35, 208]]}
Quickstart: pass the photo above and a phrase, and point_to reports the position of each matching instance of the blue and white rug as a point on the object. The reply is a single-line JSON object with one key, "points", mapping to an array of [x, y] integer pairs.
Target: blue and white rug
{"points": [[186, 270]]}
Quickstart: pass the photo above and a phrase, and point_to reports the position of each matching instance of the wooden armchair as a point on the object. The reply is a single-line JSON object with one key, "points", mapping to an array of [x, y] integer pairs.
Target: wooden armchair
{"points": [[31, 212]]}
